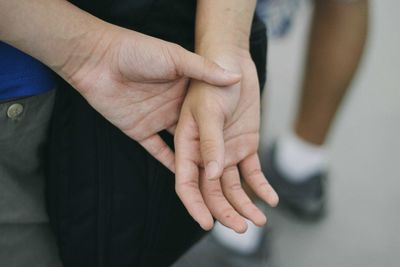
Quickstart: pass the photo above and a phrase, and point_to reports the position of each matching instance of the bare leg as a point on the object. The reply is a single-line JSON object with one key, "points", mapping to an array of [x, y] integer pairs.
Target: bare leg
{"points": [[338, 34]]}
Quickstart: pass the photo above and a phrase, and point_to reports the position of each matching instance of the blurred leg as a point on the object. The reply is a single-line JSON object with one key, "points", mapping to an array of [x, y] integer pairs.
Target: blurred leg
{"points": [[297, 165], [336, 43]]}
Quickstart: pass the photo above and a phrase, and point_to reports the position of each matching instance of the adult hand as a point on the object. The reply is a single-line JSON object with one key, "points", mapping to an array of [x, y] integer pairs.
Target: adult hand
{"points": [[138, 83], [217, 135]]}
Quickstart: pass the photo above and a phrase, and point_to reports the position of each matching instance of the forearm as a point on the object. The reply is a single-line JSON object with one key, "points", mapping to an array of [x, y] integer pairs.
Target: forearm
{"points": [[221, 23], [54, 31]]}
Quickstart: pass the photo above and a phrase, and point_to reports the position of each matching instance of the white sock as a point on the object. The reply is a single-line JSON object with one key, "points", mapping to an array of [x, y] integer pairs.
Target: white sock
{"points": [[298, 159], [245, 243]]}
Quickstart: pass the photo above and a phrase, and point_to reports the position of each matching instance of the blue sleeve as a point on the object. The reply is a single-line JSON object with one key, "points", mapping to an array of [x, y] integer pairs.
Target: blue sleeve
{"points": [[21, 75]]}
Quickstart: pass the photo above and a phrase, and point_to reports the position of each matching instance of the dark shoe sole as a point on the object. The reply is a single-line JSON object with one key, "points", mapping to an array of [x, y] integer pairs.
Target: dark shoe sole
{"points": [[306, 201]]}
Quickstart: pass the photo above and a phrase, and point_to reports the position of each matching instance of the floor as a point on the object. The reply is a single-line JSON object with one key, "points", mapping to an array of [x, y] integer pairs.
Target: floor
{"points": [[363, 225]]}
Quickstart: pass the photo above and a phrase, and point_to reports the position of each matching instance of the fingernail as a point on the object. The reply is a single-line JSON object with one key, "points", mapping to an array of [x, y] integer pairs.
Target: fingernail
{"points": [[232, 74], [212, 170]]}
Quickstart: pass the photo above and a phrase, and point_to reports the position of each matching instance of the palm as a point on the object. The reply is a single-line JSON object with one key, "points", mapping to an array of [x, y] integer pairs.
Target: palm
{"points": [[143, 112], [241, 131]]}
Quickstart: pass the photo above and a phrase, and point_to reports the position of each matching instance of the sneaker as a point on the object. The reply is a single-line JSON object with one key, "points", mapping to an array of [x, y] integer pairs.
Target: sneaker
{"points": [[211, 253], [260, 257], [306, 199]]}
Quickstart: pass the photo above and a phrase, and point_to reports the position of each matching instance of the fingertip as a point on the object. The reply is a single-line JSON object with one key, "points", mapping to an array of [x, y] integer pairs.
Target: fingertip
{"points": [[270, 198], [205, 220], [241, 227], [269, 195], [213, 170], [273, 200], [220, 76], [206, 224], [274, 203], [260, 220]]}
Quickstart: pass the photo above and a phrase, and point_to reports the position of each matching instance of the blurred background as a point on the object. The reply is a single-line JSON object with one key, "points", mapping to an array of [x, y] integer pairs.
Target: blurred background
{"points": [[363, 220]]}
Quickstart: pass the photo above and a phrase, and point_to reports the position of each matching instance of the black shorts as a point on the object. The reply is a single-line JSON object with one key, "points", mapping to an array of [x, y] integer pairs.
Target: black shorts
{"points": [[110, 203]]}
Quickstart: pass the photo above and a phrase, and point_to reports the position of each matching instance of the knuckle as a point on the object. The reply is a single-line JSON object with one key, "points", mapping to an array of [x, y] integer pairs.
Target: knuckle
{"points": [[161, 149], [230, 171], [235, 187], [248, 205], [186, 185], [263, 184], [197, 202], [177, 48], [254, 174], [208, 147], [181, 188], [209, 65], [137, 134], [175, 57], [215, 193]]}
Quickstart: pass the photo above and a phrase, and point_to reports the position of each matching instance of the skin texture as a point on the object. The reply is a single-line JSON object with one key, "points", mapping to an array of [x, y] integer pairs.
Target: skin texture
{"points": [[139, 100], [217, 135], [338, 35], [135, 81]]}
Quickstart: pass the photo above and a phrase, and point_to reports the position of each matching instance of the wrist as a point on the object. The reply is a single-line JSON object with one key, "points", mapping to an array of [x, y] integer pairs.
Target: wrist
{"points": [[238, 39], [82, 51], [226, 55], [57, 33], [220, 22]]}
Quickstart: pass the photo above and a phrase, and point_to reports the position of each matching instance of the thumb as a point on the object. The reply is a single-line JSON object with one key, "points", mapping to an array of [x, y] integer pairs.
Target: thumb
{"points": [[211, 143], [202, 69]]}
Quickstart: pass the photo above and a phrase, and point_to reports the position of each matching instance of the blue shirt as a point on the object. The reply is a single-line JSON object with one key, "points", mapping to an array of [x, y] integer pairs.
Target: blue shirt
{"points": [[21, 75]]}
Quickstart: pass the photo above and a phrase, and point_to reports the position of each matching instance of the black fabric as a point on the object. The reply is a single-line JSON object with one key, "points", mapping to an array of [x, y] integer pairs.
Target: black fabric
{"points": [[110, 203]]}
